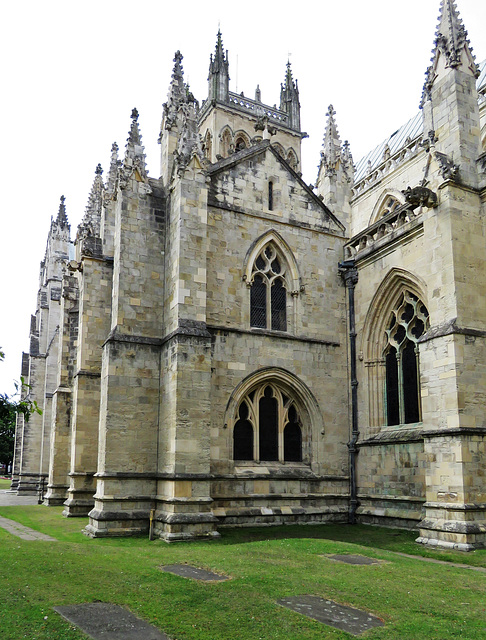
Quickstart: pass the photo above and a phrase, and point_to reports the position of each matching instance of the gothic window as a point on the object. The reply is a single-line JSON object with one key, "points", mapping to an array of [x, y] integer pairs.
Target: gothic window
{"points": [[270, 196], [268, 293], [292, 159], [267, 427], [408, 321], [279, 149], [389, 205], [240, 144], [208, 145], [225, 143]]}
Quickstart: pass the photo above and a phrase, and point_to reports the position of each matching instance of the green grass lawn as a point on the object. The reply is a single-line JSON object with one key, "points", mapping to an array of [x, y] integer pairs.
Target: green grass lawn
{"points": [[415, 599], [5, 483]]}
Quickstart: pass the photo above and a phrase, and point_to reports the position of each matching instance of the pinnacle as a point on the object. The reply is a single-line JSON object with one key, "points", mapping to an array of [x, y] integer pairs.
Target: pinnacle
{"points": [[134, 151], [62, 220], [332, 141], [113, 170], [450, 41]]}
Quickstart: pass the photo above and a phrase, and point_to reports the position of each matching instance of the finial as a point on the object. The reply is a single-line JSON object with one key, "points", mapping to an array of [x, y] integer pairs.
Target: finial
{"points": [[134, 115], [61, 216], [98, 170], [330, 111]]}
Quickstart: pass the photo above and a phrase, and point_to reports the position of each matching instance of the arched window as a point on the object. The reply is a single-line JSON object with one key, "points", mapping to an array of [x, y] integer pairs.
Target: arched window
{"points": [[268, 293], [208, 145], [388, 206], [267, 427], [292, 159], [226, 143], [240, 143], [408, 321]]}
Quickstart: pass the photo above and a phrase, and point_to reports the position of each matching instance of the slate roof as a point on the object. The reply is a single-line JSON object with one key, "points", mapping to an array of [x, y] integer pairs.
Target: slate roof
{"points": [[410, 130]]}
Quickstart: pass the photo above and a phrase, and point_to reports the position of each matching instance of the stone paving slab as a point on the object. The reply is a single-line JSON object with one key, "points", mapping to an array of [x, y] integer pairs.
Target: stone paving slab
{"points": [[104, 621], [11, 499], [26, 533], [339, 616], [349, 558], [187, 571]]}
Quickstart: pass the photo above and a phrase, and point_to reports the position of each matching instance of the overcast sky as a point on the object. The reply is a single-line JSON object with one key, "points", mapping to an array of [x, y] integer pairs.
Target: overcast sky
{"points": [[73, 71]]}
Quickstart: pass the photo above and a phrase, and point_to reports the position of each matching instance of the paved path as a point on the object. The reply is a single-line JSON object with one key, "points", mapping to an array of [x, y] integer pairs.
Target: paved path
{"points": [[11, 499], [25, 533]]}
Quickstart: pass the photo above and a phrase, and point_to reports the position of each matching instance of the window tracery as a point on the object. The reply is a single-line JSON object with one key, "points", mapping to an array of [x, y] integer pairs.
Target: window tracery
{"points": [[408, 321], [208, 145], [267, 426], [268, 293], [292, 159], [389, 206], [226, 143]]}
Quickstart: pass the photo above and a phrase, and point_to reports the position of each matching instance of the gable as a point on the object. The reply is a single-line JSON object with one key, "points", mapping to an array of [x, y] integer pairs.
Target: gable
{"points": [[258, 181]]}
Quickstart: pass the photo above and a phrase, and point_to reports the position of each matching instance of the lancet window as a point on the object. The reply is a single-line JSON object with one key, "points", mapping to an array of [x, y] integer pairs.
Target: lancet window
{"points": [[408, 322], [267, 427], [389, 205], [268, 293]]}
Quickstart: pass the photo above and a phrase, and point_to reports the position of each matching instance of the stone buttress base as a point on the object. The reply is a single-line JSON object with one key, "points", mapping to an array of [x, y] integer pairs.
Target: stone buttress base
{"points": [[452, 526], [80, 495], [56, 495]]}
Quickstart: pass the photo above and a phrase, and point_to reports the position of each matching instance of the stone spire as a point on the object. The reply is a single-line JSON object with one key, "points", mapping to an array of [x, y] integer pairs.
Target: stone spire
{"points": [[90, 224], [134, 151], [219, 73], [452, 44], [450, 101], [289, 99], [177, 94], [331, 147], [336, 170], [62, 220], [113, 170]]}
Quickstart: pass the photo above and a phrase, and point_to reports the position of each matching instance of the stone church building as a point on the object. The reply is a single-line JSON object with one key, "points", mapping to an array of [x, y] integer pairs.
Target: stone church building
{"points": [[226, 345]]}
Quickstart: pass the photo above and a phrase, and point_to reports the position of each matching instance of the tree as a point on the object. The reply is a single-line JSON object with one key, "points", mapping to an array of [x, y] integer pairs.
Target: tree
{"points": [[10, 407]]}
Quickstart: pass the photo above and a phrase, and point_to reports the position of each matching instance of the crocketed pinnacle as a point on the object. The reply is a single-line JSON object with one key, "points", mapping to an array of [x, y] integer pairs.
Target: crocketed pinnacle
{"points": [[62, 220], [90, 224], [134, 151], [113, 170], [331, 147], [450, 41], [218, 62]]}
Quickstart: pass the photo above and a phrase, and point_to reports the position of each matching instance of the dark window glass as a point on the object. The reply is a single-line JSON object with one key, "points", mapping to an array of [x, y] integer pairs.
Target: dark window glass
{"points": [[270, 196], [268, 427], [243, 440], [292, 438], [410, 384], [392, 402], [279, 306], [258, 303]]}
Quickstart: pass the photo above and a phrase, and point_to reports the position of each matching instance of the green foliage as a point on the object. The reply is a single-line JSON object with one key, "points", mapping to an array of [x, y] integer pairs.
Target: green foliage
{"points": [[10, 407]]}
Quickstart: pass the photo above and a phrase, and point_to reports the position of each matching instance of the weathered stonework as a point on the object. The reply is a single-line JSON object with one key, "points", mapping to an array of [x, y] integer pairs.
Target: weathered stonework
{"points": [[236, 347]]}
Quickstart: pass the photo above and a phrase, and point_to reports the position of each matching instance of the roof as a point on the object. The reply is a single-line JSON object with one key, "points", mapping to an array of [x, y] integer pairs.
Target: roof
{"points": [[402, 136]]}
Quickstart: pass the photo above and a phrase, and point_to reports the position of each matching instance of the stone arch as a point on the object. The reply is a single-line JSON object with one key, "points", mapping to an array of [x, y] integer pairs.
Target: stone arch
{"points": [[279, 149], [389, 200], [294, 391], [374, 336], [226, 141], [292, 159], [208, 145], [258, 245], [242, 140]]}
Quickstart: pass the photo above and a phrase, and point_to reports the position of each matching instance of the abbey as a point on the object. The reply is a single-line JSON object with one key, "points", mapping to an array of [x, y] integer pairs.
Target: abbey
{"points": [[226, 345]]}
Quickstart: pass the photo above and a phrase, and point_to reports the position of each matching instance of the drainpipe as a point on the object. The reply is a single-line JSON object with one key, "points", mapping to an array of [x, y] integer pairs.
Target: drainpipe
{"points": [[349, 274]]}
